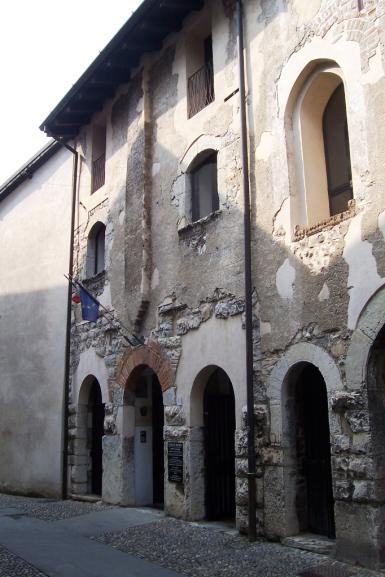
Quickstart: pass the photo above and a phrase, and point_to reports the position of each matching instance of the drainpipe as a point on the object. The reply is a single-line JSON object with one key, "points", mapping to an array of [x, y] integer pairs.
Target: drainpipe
{"points": [[67, 353], [251, 474]]}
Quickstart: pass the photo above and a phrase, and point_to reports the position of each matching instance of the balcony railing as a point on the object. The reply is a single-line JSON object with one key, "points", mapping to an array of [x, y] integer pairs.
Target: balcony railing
{"points": [[98, 172], [200, 89]]}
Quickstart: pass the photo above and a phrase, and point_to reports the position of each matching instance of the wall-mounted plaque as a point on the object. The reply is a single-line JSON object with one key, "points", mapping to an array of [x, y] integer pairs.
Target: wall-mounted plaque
{"points": [[175, 461]]}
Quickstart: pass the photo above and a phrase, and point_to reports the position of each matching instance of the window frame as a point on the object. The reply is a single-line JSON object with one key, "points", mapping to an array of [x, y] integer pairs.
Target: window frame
{"points": [[205, 158], [96, 246], [310, 206]]}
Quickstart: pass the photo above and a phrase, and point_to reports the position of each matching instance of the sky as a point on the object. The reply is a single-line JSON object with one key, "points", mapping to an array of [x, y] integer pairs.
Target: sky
{"points": [[45, 45]]}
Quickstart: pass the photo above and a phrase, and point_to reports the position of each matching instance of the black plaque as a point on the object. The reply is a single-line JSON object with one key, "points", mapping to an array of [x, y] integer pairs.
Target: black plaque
{"points": [[175, 462]]}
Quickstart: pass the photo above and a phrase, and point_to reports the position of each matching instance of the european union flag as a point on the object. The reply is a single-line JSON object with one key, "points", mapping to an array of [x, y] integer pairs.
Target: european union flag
{"points": [[90, 306]]}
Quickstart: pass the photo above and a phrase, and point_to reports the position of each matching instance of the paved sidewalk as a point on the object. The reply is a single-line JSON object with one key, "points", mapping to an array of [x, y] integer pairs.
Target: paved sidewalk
{"points": [[61, 548], [40, 538]]}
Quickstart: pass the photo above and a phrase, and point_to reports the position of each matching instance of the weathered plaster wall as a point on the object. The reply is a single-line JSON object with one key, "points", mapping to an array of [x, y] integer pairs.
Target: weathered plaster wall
{"points": [[313, 287], [34, 234]]}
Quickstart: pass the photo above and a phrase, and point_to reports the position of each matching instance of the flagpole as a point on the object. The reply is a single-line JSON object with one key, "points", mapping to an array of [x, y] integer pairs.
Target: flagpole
{"points": [[107, 311]]}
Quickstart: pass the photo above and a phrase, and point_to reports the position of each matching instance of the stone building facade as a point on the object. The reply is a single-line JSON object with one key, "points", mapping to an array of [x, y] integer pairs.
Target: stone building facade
{"points": [[159, 241]]}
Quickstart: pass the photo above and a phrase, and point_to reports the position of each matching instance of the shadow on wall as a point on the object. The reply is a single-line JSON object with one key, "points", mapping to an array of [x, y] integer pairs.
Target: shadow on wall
{"points": [[32, 339]]}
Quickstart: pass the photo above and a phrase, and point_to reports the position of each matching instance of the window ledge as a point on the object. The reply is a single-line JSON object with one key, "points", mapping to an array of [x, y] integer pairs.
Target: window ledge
{"points": [[96, 283], [198, 224], [301, 232]]}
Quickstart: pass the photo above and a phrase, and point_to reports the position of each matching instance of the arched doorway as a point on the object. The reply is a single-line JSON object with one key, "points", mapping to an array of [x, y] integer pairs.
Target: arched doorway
{"points": [[88, 473], [309, 451], [219, 446], [145, 394]]}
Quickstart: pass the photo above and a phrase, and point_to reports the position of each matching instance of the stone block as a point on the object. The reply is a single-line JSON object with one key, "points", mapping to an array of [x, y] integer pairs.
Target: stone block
{"points": [[364, 491], [241, 443], [241, 467], [169, 396], [175, 416], [228, 308], [346, 400], [343, 490], [175, 433], [112, 464], [274, 502], [358, 421], [241, 492], [79, 474], [360, 467], [341, 443], [79, 488], [361, 443], [360, 532], [81, 460]]}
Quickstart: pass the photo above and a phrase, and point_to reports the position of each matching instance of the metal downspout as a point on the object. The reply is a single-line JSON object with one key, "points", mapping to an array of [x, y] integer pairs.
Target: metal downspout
{"points": [[251, 475]]}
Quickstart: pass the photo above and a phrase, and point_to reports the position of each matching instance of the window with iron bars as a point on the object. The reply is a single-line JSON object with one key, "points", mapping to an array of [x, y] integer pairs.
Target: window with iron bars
{"points": [[98, 168], [200, 85]]}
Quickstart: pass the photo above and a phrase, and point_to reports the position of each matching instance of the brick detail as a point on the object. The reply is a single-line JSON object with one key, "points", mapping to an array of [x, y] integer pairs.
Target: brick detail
{"points": [[300, 232], [150, 355]]}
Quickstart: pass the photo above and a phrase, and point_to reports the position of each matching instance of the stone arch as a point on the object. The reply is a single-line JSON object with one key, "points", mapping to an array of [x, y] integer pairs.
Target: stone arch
{"points": [[285, 521], [306, 451], [151, 355], [211, 386], [364, 407], [85, 388], [196, 395], [369, 324], [197, 147], [295, 355], [86, 469], [90, 363]]}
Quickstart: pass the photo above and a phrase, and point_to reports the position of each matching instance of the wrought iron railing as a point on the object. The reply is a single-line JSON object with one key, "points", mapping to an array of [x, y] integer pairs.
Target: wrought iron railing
{"points": [[98, 172], [200, 89]]}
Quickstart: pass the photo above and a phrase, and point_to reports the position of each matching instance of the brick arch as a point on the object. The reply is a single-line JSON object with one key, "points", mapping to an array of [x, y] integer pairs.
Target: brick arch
{"points": [[151, 355]]}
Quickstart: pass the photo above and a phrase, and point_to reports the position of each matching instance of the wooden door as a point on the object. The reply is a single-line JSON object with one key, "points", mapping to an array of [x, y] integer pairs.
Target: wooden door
{"points": [[219, 429]]}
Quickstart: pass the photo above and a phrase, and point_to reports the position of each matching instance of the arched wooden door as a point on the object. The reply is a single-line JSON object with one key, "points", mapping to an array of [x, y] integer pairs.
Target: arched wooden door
{"points": [[219, 430], [313, 451], [96, 431]]}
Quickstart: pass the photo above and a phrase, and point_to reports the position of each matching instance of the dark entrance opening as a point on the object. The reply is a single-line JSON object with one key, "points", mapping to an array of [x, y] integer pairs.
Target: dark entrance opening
{"points": [[148, 442], [96, 431], [157, 442], [219, 430], [315, 504]]}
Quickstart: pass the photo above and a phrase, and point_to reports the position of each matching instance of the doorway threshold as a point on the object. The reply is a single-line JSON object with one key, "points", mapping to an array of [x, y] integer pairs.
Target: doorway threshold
{"points": [[227, 527], [89, 498], [311, 542]]}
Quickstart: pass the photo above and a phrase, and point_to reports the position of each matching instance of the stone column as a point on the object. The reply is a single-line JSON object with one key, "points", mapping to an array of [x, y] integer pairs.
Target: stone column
{"points": [[195, 474], [118, 454], [79, 458]]}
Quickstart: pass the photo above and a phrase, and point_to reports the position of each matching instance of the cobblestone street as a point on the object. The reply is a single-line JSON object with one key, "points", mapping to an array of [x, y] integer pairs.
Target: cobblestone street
{"points": [[39, 537]]}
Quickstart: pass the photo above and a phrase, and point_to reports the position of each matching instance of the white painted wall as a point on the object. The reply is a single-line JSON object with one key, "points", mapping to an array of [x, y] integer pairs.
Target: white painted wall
{"points": [[34, 240], [218, 342], [143, 450]]}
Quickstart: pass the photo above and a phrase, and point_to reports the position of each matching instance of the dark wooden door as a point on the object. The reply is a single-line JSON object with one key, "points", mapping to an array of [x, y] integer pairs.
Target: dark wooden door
{"points": [[320, 504], [219, 429], [157, 443], [97, 410]]}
